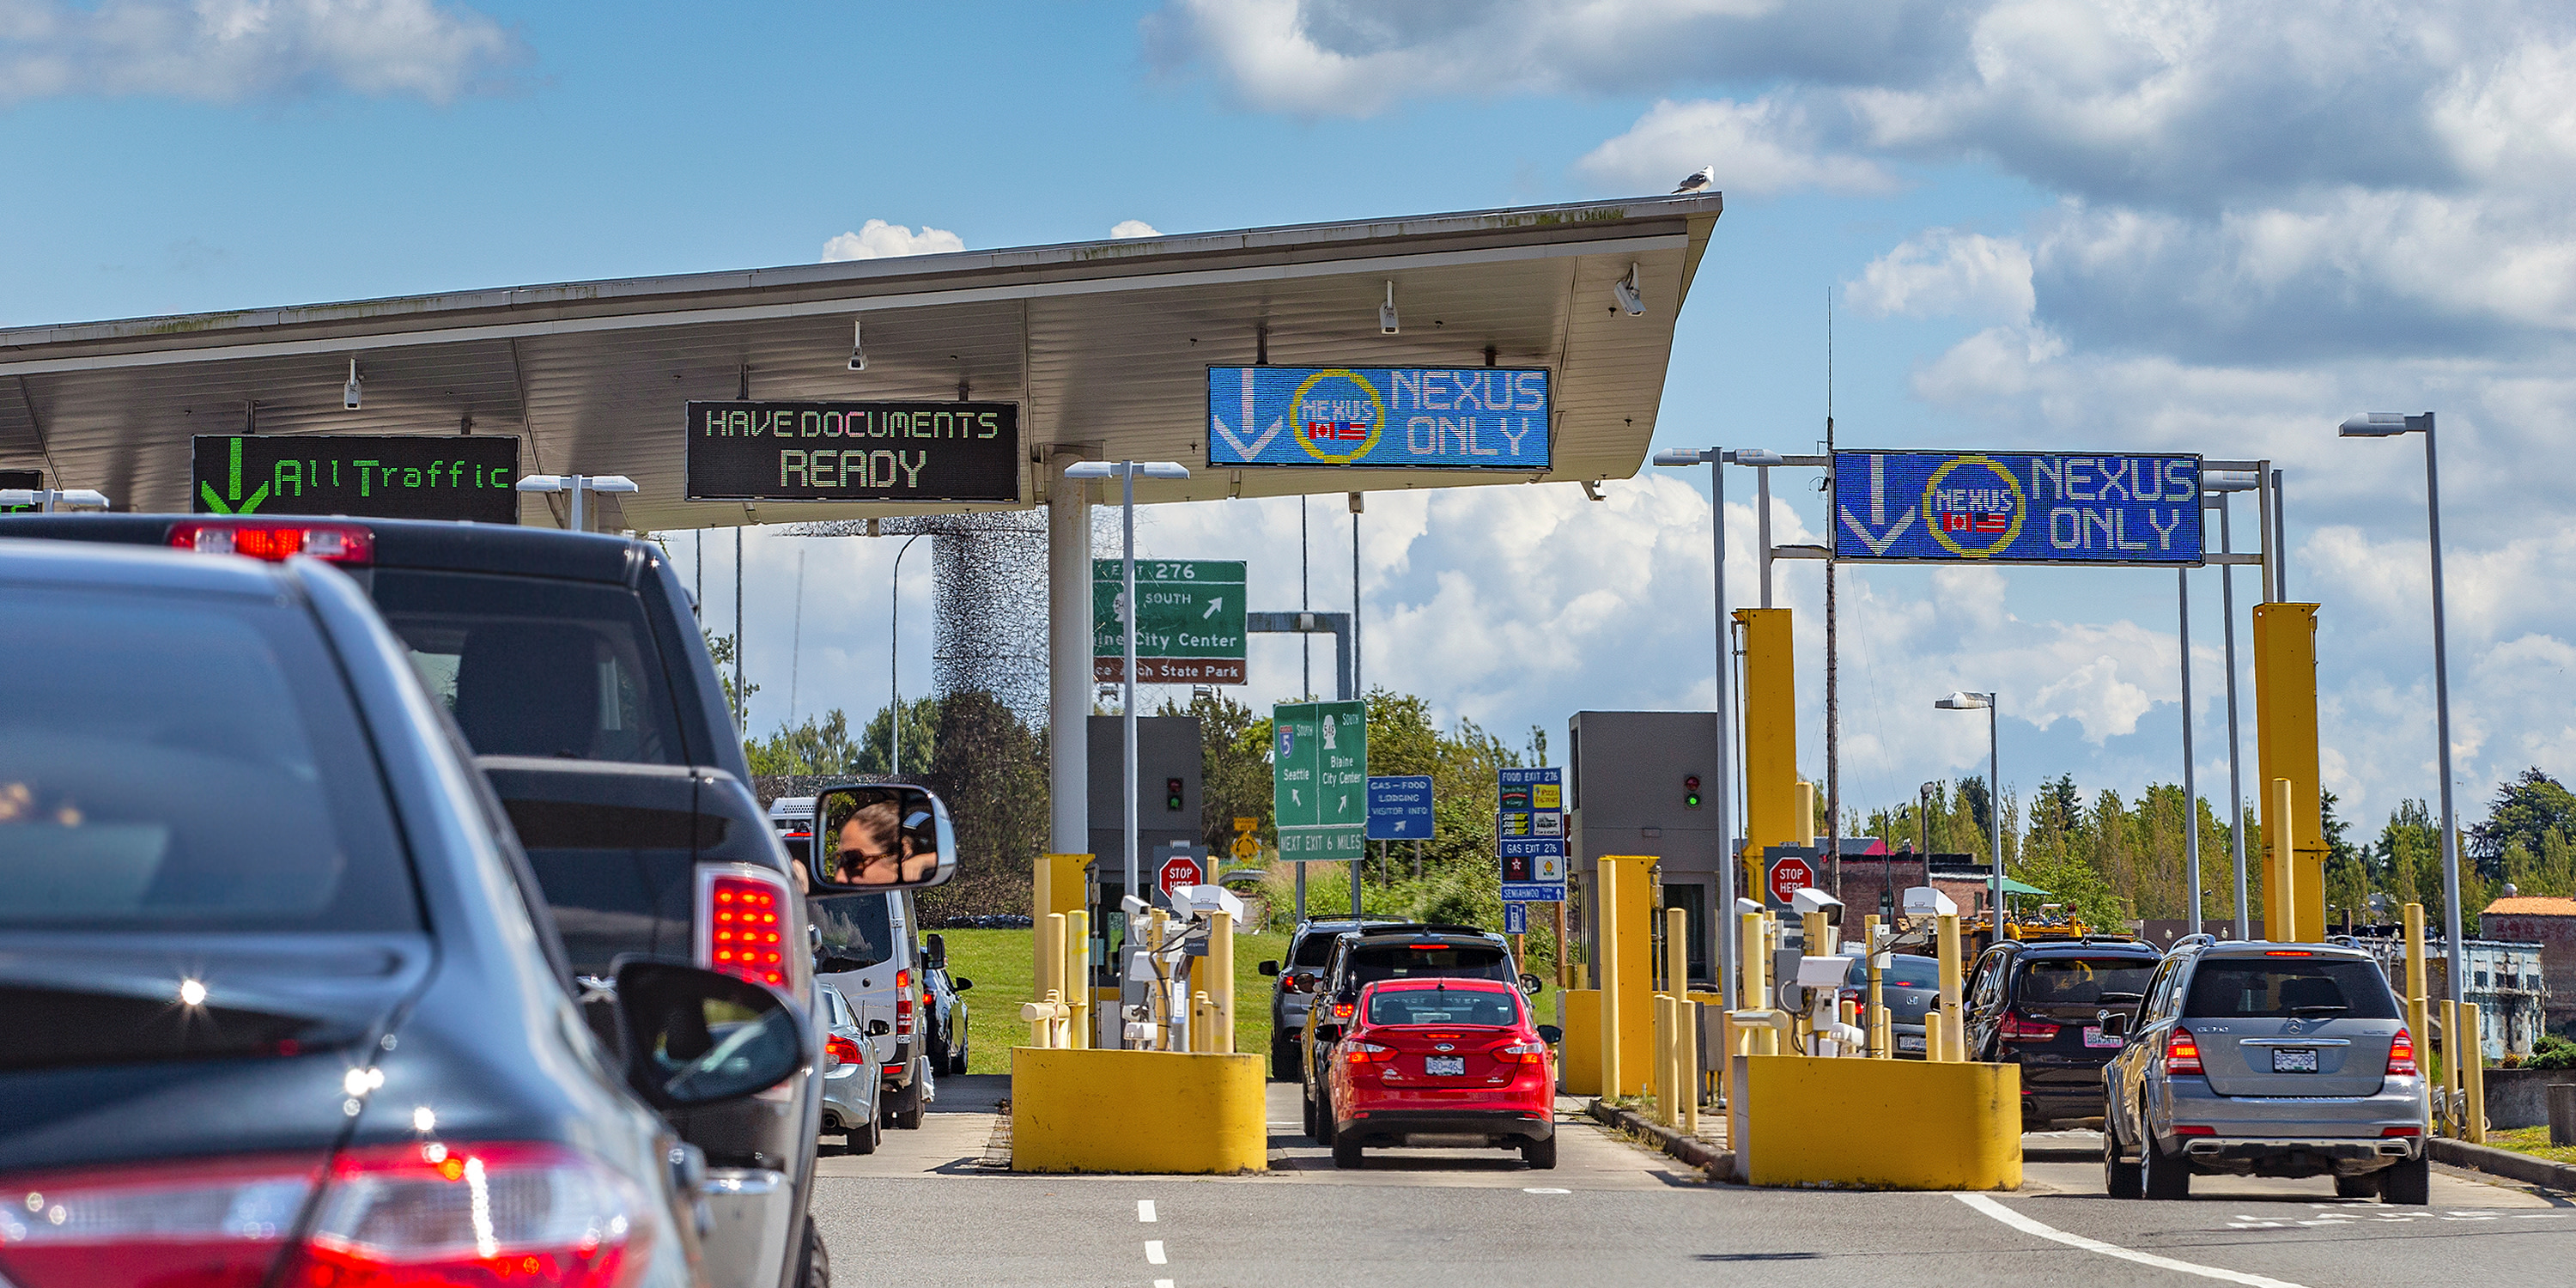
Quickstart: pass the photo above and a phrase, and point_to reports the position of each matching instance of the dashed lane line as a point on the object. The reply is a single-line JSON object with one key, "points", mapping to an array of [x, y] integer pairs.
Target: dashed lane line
{"points": [[2028, 1226], [1154, 1253], [1145, 1210]]}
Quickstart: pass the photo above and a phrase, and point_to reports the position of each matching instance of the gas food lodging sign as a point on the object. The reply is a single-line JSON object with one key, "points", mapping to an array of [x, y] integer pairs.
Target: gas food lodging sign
{"points": [[2017, 507], [1443, 418]]}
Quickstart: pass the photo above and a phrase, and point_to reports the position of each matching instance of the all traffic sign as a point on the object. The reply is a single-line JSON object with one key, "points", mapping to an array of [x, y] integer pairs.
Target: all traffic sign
{"points": [[1789, 874], [1179, 871]]}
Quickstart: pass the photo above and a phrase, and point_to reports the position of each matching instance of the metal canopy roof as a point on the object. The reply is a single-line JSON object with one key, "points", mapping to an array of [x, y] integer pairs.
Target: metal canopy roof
{"points": [[1103, 343]]}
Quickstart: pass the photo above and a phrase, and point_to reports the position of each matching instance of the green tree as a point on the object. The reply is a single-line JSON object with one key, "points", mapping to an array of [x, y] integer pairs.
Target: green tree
{"points": [[920, 740], [1234, 769], [814, 747], [2526, 808], [720, 647], [992, 772]]}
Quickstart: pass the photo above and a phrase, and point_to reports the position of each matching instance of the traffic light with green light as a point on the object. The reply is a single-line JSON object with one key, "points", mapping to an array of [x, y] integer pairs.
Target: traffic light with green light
{"points": [[1172, 794], [1690, 792]]}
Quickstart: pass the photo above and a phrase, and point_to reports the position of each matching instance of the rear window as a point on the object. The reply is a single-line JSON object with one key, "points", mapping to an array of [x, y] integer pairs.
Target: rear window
{"points": [[534, 667], [1399, 962], [2080, 981], [620, 879], [1313, 950], [185, 762], [858, 930], [2280, 987], [1901, 971], [1444, 1006]]}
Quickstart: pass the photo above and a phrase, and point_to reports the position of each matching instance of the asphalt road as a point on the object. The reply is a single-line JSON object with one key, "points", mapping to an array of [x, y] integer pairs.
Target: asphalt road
{"points": [[922, 1211]]}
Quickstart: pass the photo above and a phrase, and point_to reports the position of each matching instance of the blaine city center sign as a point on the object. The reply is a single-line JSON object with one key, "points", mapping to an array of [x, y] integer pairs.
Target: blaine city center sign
{"points": [[1442, 418], [854, 451], [2017, 507], [1189, 621]]}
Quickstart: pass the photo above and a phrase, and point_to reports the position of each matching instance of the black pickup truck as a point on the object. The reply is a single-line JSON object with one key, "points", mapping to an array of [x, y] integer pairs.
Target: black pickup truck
{"points": [[574, 666]]}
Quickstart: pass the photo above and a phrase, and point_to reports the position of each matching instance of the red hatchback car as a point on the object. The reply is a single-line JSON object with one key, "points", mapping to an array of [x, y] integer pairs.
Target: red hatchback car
{"points": [[1445, 1057]]}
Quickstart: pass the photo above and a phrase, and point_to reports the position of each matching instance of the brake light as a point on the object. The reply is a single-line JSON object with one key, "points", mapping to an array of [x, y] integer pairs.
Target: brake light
{"points": [[2182, 1053], [2015, 1028], [2287, 952], [1366, 1052], [1288, 983], [902, 1004], [745, 938], [1341, 1010], [398, 1216], [2400, 1131], [2401, 1055], [838, 1050], [2193, 1129], [1522, 1053], [334, 542]]}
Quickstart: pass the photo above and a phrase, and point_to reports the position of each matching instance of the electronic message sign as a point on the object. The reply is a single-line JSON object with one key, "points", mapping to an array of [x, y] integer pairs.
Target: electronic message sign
{"points": [[1378, 418], [1189, 621], [2018, 507], [12, 480], [380, 476], [854, 451]]}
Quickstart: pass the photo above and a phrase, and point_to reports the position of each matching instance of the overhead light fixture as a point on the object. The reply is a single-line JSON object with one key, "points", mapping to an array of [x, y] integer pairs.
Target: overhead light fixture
{"points": [[858, 347], [349, 392], [1386, 312], [1625, 291]]}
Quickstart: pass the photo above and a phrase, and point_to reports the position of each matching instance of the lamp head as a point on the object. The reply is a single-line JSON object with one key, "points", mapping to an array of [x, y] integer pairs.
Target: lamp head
{"points": [[539, 483], [2382, 424], [1757, 456], [1965, 702], [1090, 470], [1678, 456], [611, 483]]}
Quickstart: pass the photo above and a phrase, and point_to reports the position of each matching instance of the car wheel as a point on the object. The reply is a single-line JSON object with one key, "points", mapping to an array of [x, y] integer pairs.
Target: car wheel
{"points": [[2164, 1175], [814, 1265], [2119, 1177], [1540, 1154], [2409, 1181], [1313, 1132], [2364, 1186], [957, 1060], [1346, 1148], [1283, 1056], [863, 1139], [905, 1110]]}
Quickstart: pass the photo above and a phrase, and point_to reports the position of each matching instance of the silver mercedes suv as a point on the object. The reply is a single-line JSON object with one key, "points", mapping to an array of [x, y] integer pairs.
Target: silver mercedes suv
{"points": [[2264, 1059]]}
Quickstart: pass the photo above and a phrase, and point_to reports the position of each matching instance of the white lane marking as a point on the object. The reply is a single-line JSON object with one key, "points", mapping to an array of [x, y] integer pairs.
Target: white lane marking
{"points": [[1162, 1283], [1540, 1189], [2028, 1226], [1145, 1210], [1154, 1252]]}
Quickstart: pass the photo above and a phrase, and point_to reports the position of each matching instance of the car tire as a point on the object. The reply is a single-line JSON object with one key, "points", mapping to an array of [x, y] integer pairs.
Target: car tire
{"points": [[2120, 1178], [2364, 1186], [1540, 1154], [863, 1139], [2408, 1182], [957, 1060], [1313, 1132], [1283, 1056], [904, 1112], [1346, 1149], [814, 1264], [2163, 1175]]}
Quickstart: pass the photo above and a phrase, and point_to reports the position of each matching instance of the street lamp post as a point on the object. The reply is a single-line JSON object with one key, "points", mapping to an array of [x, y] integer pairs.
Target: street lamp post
{"points": [[2385, 424], [894, 657], [1716, 459], [1127, 472], [1994, 789]]}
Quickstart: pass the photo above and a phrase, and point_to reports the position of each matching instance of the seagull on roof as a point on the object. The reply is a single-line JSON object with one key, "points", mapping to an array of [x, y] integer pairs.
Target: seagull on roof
{"points": [[1700, 180]]}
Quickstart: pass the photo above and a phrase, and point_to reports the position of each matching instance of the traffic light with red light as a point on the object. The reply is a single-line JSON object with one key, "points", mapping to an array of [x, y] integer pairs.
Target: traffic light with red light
{"points": [[1690, 792]]}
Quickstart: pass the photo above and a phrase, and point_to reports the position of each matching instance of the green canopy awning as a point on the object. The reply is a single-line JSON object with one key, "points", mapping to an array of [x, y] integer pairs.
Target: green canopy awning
{"points": [[2018, 887]]}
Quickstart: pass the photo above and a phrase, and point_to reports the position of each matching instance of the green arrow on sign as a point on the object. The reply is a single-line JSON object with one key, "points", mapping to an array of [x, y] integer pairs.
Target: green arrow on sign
{"points": [[1185, 608], [237, 506]]}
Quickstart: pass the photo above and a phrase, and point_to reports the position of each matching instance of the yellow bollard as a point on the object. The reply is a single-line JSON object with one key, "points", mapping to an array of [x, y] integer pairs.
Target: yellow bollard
{"points": [[1935, 1046], [1221, 982], [1869, 1016], [1605, 885], [1685, 1054], [1160, 1001], [1953, 1046], [1050, 957], [1661, 1081], [1077, 958], [2419, 1022], [2473, 1065], [2452, 1088]]}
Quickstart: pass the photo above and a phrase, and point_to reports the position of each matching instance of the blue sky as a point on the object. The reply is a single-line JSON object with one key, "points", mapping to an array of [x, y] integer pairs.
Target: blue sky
{"points": [[2043, 223]]}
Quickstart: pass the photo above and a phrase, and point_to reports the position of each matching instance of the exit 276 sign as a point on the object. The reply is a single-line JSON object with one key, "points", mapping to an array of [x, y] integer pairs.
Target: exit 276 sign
{"points": [[2017, 507]]}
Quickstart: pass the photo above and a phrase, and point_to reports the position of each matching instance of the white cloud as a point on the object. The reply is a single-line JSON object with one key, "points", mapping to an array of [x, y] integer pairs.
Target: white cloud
{"points": [[230, 50], [1758, 148], [877, 239], [1134, 228], [1944, 272]]}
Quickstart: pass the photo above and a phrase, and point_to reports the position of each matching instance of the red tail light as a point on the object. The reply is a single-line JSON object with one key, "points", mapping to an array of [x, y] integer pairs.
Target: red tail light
{"points": [[2019, 1029], [1342, 1010], [1522, 1053], [839, 1050], [2193, 1129], [401, 1216], [744, 936], [2400, 1131], [902, 1005], [2182, 1053], [1357, 1052], [2401, 1054], [335, 542]]}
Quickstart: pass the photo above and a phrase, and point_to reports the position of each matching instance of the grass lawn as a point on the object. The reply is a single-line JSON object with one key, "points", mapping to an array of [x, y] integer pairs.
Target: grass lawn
{"points": [[1001, 962], [2533, 1141]]}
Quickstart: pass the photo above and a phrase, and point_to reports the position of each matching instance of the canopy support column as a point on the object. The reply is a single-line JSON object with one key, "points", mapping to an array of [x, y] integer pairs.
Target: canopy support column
{"points": [[1069, 665]]}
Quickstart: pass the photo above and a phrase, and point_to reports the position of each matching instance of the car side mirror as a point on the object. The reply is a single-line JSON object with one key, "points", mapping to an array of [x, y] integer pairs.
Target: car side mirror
{"points": [[1550, 1034], [696, 1038], [2115, 1024], [879, 1028], [1268, 968], [1530, 984], [880, 837], [961, 983]]}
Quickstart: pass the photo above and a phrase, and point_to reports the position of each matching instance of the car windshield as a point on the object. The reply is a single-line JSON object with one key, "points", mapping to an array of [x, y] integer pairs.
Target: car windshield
{"points": [[1483, 1006], [1901, 971], [2316, 987], [1313, 950], [858, 929], [1399, 961], [2081, 981], [185, 762], [537, 667]]}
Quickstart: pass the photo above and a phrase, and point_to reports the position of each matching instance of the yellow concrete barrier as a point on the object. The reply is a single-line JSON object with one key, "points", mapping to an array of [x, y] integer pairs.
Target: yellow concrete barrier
{"points": [[1875, 1124], [1578, 1057], [1167, 1112]]}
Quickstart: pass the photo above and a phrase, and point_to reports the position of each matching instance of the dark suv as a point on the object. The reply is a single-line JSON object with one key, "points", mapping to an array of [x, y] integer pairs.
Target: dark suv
{"points": [[2039, 1005], [574, 666], [1310, 948], [1396, 950]]}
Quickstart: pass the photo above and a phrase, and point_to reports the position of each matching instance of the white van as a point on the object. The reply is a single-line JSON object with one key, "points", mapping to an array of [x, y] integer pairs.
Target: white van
{"points": [[866, 946]]}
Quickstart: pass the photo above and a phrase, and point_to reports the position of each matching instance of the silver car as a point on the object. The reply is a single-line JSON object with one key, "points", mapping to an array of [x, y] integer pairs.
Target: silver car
{"points": [[853, 1087], [2264, 1059]]}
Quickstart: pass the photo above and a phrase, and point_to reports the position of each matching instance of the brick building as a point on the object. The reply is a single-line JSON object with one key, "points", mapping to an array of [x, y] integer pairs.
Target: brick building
{"points": [[2551, 923]]}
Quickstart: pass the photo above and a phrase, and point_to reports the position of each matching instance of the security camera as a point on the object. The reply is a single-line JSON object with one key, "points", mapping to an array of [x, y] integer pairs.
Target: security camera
{"points": [[1925, 901], [1810, 899], [1135, 907], [349, 393], [1386, 312], [1625, 291], [858, 347]]}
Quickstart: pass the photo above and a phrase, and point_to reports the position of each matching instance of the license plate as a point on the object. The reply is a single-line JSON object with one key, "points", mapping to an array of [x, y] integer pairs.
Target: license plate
{"points": [[2093, 1038], [1906, 1042], [2286, 1060], [1440, 1064]]}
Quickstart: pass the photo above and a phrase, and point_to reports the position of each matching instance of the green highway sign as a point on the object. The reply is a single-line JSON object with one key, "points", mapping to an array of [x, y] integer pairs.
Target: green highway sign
{"points": [[1319, 780], [1189, 621]]}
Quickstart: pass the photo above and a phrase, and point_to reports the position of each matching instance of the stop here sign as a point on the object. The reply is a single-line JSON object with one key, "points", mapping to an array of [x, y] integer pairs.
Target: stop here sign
{"points": [[1179, 872], [1789, 876]]}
